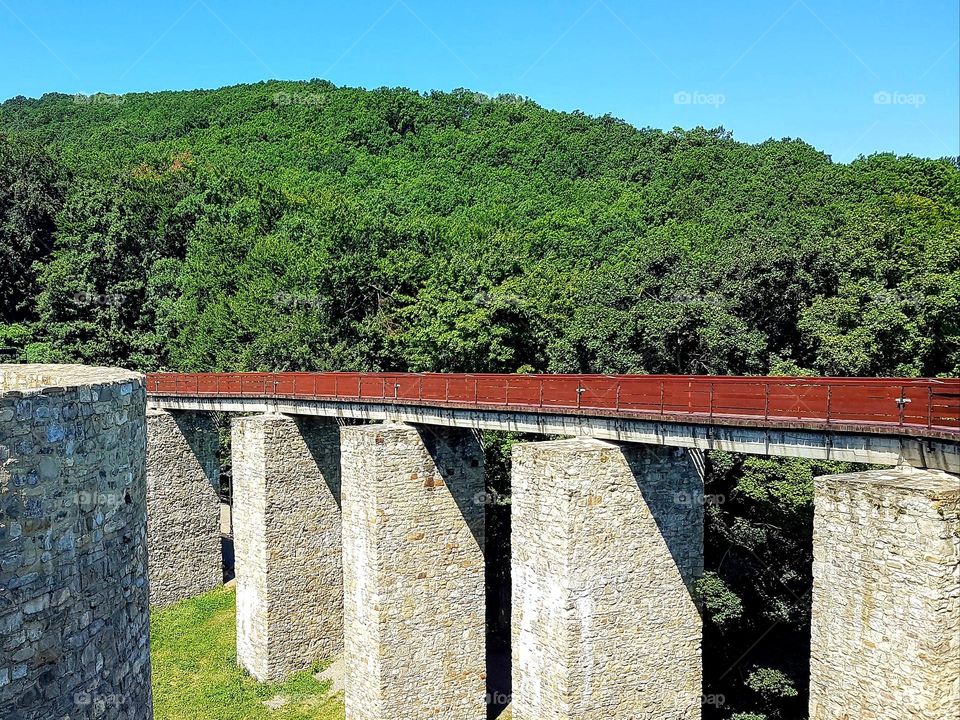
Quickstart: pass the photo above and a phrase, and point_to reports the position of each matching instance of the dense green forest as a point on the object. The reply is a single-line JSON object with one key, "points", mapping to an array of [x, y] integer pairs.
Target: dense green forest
{"points": [[302, 226]]}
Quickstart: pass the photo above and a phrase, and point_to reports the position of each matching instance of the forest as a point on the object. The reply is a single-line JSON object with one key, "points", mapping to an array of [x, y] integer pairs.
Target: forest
{"points": [[305, 226]]}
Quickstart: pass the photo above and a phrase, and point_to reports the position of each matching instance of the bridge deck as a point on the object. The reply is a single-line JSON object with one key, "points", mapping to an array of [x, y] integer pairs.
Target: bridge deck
{"points": [[928, 408]]}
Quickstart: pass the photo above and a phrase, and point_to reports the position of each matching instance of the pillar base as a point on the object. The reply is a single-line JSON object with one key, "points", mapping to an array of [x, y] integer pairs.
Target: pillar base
{"points": [[286, 500], [413, 518], [607, 543], [183, 506], [885, 628]]}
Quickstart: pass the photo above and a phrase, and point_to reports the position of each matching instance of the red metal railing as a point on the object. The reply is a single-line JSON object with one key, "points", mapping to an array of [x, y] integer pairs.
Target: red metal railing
{"points": [[913, 406]]}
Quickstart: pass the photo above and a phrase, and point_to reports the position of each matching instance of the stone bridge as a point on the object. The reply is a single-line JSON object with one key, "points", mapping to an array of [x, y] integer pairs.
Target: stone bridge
{"points": [[359, 505]]}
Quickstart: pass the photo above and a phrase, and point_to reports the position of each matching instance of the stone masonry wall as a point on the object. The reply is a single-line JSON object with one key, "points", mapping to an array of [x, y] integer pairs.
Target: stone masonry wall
{"points": [[886, 596], [287, 541], [413, 518], [607, 543], [183, 505], [74, 612]]}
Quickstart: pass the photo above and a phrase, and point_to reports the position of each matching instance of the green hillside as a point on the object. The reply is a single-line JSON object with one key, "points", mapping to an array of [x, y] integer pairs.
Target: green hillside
{"points": [[301, 226]]}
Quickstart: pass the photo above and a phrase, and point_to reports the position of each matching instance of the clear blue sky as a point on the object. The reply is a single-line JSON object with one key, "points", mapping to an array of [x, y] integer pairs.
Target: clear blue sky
{"points": [[849, 77]]}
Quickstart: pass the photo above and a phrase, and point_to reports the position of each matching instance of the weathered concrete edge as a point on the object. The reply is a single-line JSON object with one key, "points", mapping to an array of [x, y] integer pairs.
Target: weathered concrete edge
{"points": [[812, 444]]}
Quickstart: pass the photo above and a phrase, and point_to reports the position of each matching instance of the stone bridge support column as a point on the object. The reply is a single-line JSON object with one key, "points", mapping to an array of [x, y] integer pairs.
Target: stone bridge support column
{"points": [[74, 601], [413, 520], [183, 505], [886, 596], [286, 500], [607, 543]]}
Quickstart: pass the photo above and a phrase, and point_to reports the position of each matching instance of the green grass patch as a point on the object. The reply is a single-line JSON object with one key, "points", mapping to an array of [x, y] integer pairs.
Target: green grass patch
{"points": [[195, 673]]}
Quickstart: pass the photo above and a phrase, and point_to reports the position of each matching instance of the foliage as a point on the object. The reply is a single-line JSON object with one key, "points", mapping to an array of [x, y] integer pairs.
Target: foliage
{"points": [[32, 185], [722, 606], [303, 226]]}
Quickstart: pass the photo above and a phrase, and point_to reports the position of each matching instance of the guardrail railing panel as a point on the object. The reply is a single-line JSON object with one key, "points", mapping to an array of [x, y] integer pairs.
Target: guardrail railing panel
{"points": [[560, 391], [916, 403]]}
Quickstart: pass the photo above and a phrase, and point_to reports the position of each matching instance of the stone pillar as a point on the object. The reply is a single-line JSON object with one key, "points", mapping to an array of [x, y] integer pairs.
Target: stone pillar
{"points": [[74, 600], [886, 596], [607, 543], [413, 519], [183, 505], [286, 501]]}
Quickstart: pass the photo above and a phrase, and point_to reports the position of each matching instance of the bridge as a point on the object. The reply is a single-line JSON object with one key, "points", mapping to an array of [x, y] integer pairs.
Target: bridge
{"points": [[884, 421], [359, 528]]}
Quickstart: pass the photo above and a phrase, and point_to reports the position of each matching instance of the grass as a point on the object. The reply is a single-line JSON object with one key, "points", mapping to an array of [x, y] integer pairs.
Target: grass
{"points": [[195, 673]]}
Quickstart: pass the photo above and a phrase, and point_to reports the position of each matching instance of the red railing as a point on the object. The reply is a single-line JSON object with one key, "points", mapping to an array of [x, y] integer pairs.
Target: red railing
{"points": [[917, 406]]}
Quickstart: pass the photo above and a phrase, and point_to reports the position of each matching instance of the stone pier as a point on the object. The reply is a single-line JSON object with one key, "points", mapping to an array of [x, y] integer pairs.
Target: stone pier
{"points": [[886, 596], [413, 519], [607, 543], [286, 499], [74, 605], [183, 505]]}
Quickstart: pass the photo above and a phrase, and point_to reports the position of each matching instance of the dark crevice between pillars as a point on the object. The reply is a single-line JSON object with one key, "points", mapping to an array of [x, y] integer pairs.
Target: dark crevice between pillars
{"points": [[497, 551]]}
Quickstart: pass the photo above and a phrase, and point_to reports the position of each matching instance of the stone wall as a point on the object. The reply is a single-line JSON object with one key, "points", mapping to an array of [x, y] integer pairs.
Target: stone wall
{"points": [[287, 542], [74, 613], [413, 518], [183, 505], [607, 543], [886, 596]]}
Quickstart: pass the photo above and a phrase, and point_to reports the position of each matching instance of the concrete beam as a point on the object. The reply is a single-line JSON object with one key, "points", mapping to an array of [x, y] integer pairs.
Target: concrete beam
{"points": [[607, 543], [183, 505], [871, 448], [886, 596], [287, 543], [413, 519]]}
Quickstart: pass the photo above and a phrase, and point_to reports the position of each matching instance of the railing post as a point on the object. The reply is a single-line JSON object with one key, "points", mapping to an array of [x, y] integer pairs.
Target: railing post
{"points": [[476, 391], [766, 400], [711, 399], [929, 406], [618, 395], [661, 397], [829, 402], [419, 387], [540, 381], [902, 403]]}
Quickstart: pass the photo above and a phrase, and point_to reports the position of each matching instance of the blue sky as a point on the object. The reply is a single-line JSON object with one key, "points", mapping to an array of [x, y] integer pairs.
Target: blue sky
{"points": [[849, 77]]}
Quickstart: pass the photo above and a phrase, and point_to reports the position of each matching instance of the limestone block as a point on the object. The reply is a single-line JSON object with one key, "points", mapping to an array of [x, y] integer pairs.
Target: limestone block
{"points": [[413, 520], [183, 505], [287, 543], [886, 596], [607, 543]]}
